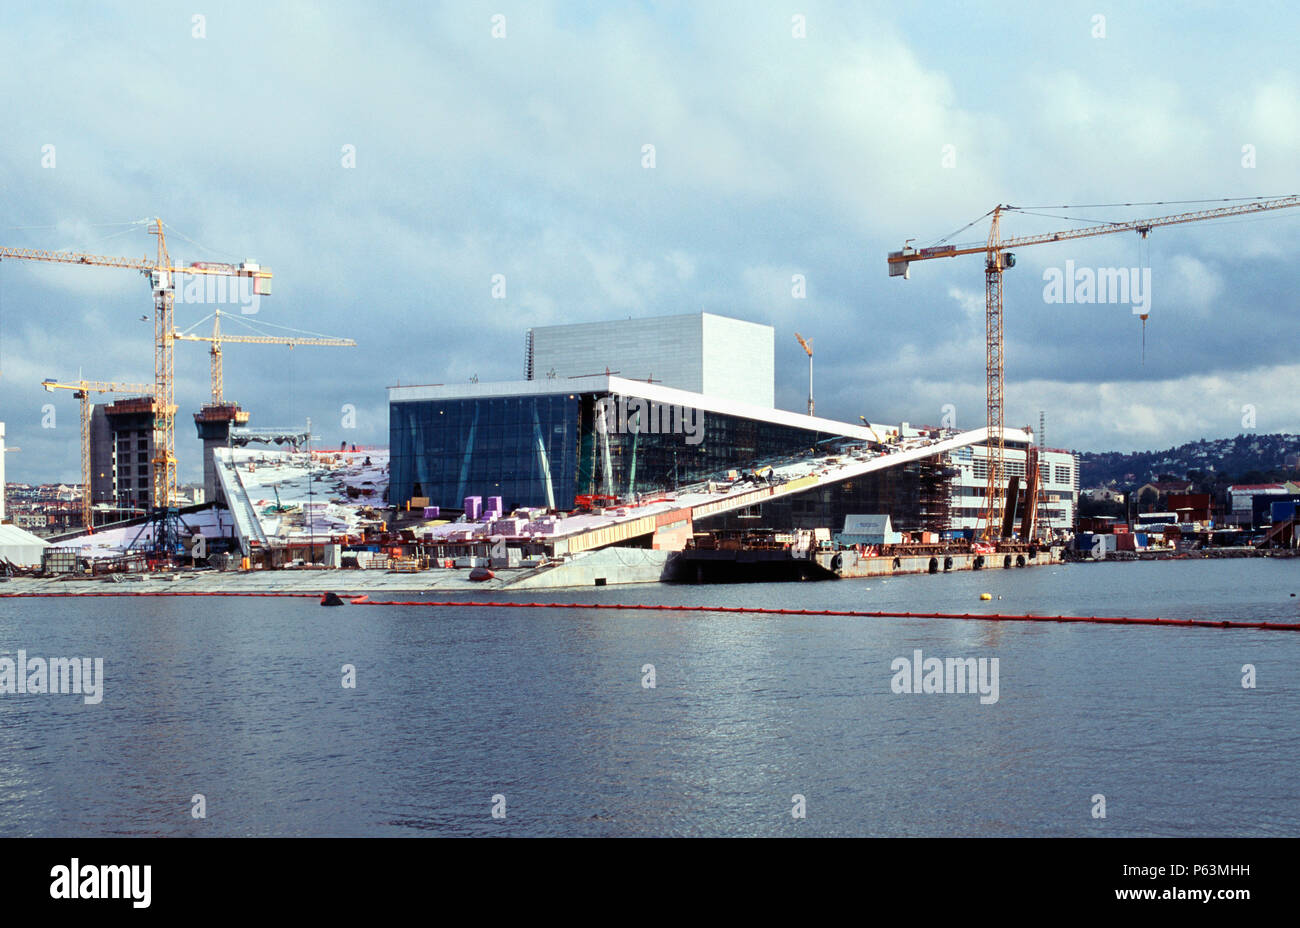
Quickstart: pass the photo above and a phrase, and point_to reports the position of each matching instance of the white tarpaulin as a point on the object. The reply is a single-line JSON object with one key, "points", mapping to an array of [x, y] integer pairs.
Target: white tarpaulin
{"points": [[20, 547]]}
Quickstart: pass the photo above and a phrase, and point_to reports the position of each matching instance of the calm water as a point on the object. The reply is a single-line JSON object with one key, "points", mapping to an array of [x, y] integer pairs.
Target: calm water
{"points": [[240, 700]]}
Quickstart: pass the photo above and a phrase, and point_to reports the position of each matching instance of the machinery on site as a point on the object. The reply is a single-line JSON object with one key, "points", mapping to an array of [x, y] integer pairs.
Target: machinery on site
{"points": [[807, 346]]}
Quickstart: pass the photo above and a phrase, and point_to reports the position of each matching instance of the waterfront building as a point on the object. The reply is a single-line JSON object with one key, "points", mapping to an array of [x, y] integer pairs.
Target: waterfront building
{"points": [[565, 438], [548, 442], [1241, 498], [1058, 491]]}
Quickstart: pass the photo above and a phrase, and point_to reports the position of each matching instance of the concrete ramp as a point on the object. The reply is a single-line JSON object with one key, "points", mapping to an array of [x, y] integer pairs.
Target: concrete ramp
{"points": [[606, 567], [248, 528]]}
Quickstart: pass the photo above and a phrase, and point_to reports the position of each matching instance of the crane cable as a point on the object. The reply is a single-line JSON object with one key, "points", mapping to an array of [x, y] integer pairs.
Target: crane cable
{"points": [[1033, 211], [1144, 245], [963, 228]]}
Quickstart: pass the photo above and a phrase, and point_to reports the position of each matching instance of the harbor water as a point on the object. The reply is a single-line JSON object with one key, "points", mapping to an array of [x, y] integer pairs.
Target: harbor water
{"points": [[237, 708]]}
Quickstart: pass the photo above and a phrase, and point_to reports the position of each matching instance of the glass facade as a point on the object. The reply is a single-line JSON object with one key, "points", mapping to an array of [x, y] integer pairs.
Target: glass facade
{"points": [[652, 454], [900, 492], [492, 446], [594, 444]]}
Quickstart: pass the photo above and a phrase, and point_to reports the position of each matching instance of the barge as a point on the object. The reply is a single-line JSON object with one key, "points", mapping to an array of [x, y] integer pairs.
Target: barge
{"points": [[809, 554]]}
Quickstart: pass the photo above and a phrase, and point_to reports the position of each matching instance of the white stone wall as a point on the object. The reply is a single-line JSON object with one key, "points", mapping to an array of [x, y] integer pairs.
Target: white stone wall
{"points": [[700, 352], [739, 360]]}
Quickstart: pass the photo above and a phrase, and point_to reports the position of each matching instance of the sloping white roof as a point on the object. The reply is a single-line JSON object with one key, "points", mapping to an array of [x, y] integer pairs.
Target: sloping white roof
{"points": [[608, 383]]}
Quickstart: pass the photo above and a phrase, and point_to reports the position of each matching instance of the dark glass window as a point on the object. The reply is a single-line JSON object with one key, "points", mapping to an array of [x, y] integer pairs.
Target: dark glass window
{"points": [[493, 446]]}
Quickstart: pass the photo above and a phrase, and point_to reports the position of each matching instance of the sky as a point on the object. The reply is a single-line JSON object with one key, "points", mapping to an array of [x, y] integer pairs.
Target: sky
{"points": [[388, 161]]}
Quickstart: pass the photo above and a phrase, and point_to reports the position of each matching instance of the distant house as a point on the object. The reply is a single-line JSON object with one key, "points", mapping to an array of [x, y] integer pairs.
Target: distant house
{"points": [[1165, 487], [1153, 496], [1103, 494]]}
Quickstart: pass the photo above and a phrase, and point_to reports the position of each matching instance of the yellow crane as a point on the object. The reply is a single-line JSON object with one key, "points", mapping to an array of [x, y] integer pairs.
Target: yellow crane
{"points": [[807, 346], [997, 258], [162, 276], [218, 337], [83, 390], [872, 429]]}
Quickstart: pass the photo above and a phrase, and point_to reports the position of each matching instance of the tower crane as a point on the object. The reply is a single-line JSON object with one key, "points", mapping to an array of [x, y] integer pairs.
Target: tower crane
{"points": [[997, 258], [162, 279], [218, 337], [83, 390], [807, 346]]}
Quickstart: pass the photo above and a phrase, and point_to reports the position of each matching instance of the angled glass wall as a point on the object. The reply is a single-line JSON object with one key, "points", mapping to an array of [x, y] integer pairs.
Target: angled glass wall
{"points": [[521, 448], [898, 492], [584, 443]]}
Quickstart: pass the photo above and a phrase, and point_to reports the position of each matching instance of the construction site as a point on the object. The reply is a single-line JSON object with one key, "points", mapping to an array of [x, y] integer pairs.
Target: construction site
{"points": [[670, 462]]}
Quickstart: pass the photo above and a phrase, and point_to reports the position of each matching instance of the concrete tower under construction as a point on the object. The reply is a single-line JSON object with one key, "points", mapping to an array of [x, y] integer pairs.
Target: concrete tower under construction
{"points": [[121, 452], [214, 421]]}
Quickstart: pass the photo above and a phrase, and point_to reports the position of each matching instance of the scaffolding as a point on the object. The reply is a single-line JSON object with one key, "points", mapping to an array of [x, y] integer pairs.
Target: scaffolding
{"points": [[934, 500]]}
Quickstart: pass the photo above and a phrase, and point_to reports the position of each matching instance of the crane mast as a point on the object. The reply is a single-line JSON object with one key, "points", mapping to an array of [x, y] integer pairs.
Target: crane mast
{"points": [[165, 488], [994, 374]]}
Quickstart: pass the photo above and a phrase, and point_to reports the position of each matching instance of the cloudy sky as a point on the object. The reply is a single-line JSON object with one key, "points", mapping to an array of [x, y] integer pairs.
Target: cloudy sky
{"points": [[775, 154]]}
